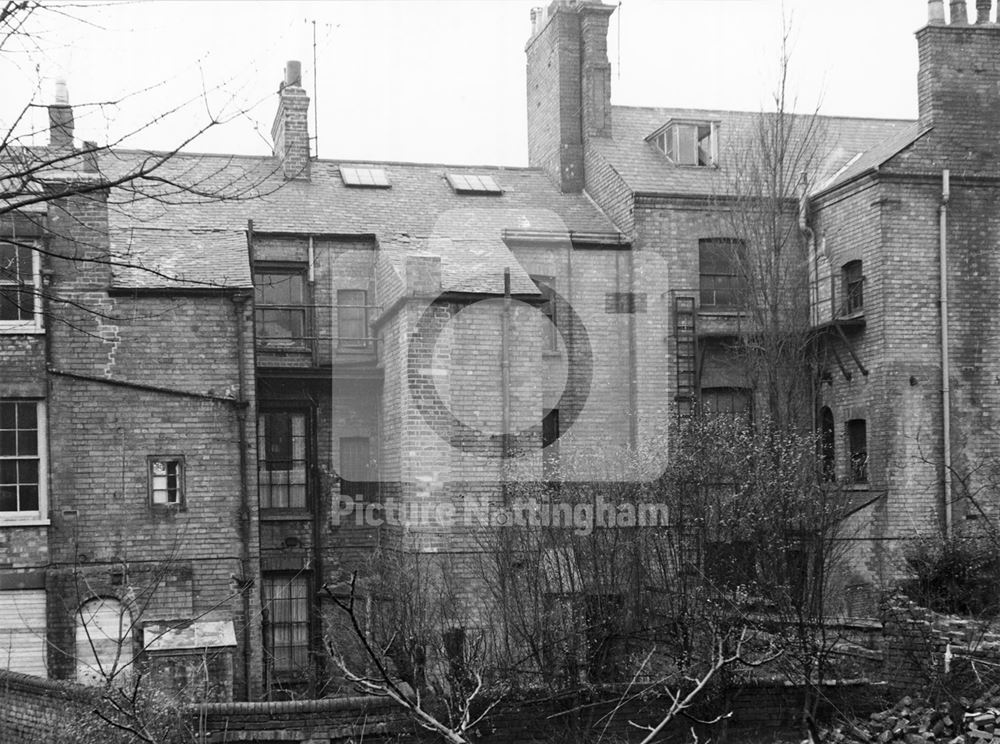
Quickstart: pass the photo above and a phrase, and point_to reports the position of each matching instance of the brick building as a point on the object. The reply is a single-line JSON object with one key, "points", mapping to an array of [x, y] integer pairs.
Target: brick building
{"points": [[200, 397]]}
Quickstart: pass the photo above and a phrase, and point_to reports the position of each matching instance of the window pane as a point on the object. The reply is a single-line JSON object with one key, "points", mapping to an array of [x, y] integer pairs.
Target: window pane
{"points": [[686, 146], [704, 144], [352, 317], [8, 498], [29, 498], [283, 460]]}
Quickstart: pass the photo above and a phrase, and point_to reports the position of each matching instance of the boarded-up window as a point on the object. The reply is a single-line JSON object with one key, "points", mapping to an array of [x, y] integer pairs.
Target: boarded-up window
{"points": [[103, 641], [286, 623], [282, 466], [22, 631]]}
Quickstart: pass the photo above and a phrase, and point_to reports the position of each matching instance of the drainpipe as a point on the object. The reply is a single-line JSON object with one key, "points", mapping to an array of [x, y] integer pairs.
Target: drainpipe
{"points": [[945, 377], [811, 250], [239, 305], [505, 380]]}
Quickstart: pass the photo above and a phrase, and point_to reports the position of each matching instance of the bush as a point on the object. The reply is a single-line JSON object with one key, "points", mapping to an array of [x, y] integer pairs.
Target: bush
{"points": [[958, 576]]}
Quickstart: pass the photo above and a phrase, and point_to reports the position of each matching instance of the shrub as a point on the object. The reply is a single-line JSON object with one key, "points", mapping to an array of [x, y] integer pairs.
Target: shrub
{"points": [[959, 576]]}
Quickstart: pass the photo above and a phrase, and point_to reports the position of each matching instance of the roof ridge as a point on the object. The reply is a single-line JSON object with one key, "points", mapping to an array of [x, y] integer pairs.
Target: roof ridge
{"points": [[329, 161], [753, 113]]}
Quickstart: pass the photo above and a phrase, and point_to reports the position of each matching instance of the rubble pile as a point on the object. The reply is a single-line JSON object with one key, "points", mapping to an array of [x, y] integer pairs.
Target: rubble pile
{"points": [[917, 722]]}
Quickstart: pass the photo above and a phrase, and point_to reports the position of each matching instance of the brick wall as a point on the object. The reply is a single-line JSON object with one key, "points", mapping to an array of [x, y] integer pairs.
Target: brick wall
{"points": [[134, 376]]}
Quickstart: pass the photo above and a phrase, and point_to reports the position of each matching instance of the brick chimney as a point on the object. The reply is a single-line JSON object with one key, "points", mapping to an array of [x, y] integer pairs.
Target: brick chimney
{"points": [[61, 118], [959, 79], [290, 131], [569, 87]]}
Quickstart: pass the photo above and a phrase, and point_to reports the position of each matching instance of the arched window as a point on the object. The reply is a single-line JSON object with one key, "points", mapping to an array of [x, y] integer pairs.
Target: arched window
{"points": [[103, 641], [827, 445]]}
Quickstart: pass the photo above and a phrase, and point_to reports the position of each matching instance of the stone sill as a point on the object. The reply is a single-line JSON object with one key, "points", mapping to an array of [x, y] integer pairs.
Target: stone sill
{"points": [[5, 523]]}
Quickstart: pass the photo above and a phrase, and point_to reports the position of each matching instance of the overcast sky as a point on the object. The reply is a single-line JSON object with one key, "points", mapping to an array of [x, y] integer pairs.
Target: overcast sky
{"points": [[440, 81]]}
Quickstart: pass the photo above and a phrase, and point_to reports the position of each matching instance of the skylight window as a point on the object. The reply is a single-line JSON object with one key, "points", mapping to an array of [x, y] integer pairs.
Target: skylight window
{"points": [[689, 142], [372, 178], [468, 183]]}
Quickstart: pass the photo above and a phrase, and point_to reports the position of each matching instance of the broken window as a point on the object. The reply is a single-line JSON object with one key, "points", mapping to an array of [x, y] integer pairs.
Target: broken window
{"points": [[689, 143], [854, 281], [18, 287], [166, 481], [280, 307], [857, 437], [827, 445], [722, 282], [550, 332], [282, 465]]}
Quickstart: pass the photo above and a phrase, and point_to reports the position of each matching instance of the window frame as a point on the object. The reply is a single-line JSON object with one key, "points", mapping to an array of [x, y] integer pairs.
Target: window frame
{"points": [[268, 580], [546, 285], [303, 309], [39, 516], [732, 391], [668, 141], [854, 287], [34, 324], [308, 461], [857, 458], [827, 444], [736, 279], [352, 342], [367, 489], [180, 477]]}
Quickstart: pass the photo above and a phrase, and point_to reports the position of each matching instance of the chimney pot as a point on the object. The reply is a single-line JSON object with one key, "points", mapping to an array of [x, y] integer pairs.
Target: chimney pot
{"points": [[959, 13], [935, 12], [983, 11], [61, 97], [293, 73]]}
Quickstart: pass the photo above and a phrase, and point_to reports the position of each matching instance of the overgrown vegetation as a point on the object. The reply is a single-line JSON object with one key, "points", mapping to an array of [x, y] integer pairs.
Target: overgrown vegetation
{"points": [[958, 575]]}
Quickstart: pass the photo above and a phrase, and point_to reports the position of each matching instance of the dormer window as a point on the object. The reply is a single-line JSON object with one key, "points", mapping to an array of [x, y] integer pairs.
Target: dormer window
{"points": [[688, 142]]}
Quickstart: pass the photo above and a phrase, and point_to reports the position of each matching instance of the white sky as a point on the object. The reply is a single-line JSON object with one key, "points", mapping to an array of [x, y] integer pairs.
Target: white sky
{"points": [[440, 81]]}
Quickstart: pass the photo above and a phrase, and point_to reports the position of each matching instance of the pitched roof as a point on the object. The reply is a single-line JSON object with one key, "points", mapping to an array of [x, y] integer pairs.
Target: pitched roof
{"points": [[175, 233], [646, 169], [874, 157], [150, 258]]}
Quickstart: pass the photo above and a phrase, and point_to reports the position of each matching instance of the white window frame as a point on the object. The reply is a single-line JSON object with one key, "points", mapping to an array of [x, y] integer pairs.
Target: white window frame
{"points": [[36, 324], [40, 517], [667, 141]]}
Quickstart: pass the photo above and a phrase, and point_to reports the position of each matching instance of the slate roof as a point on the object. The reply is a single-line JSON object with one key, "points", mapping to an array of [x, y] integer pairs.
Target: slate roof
{"points": [[188, 239], [149, 258], [874, 157], [646, 169]]}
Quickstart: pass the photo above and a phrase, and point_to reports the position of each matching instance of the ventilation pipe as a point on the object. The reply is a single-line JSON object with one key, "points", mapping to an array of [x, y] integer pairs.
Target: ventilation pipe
{"points": [[945, 377]]}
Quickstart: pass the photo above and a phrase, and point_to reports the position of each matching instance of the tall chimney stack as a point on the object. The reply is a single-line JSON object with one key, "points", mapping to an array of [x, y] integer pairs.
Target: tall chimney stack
{"points": [[61, 118], [290, 131]]}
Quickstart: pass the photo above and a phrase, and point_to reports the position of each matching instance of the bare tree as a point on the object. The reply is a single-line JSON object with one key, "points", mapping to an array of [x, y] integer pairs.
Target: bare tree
{"points": [[44, 188]]}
